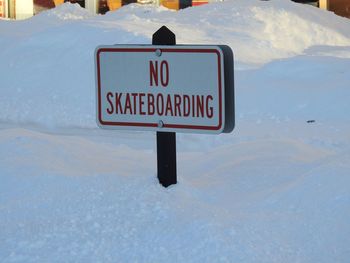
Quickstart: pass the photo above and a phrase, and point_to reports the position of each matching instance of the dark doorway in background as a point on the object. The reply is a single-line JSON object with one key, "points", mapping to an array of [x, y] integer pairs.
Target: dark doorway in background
{"points": [[80, 2]]}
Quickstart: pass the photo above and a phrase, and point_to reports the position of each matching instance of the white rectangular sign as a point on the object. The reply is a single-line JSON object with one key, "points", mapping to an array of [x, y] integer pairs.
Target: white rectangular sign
{"points": [[161, 88]]}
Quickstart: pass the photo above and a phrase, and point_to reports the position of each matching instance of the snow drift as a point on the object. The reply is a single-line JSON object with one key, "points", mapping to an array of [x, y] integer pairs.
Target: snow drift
{"points": [[47, 61], [275, 190]]}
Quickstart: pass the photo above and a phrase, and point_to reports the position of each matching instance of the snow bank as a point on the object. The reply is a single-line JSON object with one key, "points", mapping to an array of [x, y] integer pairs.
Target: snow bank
{"points": [[276, 190], [258, 31], [94, 197], [47, 61]]}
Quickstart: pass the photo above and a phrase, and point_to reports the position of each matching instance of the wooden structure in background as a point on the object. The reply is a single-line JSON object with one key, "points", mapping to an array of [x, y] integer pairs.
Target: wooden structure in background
{"points": [[323, 4], [339, 7], [18, 9], [2, 8], [58, 2], [114, 4]]}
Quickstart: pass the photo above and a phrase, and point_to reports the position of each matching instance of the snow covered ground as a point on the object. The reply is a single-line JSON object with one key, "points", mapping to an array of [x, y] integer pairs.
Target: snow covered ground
{"points": [[275, 190]]}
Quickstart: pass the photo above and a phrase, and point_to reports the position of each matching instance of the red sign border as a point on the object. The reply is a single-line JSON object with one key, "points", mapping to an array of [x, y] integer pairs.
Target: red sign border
{"points": [[164, 50]]}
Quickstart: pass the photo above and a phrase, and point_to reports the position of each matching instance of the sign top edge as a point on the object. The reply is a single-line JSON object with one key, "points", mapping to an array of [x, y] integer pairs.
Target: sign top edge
{"points": [[164, 47]]}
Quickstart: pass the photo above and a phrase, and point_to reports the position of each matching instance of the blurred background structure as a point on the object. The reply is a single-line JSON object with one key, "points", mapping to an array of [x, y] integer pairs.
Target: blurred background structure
{"points": [[21, 9]]}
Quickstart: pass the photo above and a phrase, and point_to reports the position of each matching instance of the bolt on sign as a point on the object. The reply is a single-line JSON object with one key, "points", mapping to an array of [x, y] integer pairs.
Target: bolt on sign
{"points": [[181, 88]]}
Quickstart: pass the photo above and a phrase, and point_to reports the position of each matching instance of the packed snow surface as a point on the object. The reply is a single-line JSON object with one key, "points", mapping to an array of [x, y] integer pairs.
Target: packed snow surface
{"points": [[277, 189]]}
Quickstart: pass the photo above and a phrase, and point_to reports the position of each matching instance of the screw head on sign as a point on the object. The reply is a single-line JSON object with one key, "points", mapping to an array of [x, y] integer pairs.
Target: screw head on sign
{"points": [[160, 124], [158, 52]]}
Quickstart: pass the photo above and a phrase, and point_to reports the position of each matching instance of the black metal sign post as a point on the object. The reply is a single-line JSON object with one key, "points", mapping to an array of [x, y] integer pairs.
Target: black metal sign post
{"points": [[166, 141]]}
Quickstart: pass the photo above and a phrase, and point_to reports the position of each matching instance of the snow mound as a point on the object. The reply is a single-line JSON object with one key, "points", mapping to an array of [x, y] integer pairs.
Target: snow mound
{"points": [[276, 190], [75, 198], [258, 31], [66, 11], [47, 61]]}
